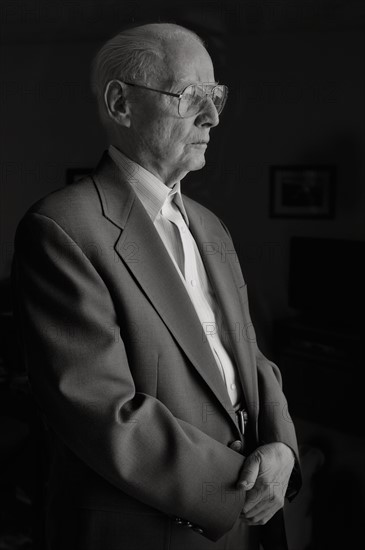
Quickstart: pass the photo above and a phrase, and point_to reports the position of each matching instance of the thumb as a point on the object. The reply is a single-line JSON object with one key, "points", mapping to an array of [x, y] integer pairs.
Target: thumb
{"points": [[250, 471]]}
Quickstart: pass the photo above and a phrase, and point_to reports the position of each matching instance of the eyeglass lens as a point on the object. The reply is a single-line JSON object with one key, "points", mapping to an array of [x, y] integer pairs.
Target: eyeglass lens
{"points": [[195, 94]]}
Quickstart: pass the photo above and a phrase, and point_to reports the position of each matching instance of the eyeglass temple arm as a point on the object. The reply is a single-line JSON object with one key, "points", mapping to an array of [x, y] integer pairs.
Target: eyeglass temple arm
{"points": [[152, 89]]}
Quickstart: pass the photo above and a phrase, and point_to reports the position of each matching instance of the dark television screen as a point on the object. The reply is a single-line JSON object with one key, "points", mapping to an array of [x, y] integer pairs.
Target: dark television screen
{"points": [[327, 278]]}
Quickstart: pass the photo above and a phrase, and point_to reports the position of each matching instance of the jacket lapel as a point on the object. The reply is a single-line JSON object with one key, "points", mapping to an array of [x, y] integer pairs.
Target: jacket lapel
{"points": [[144, 254], [216, 254]]}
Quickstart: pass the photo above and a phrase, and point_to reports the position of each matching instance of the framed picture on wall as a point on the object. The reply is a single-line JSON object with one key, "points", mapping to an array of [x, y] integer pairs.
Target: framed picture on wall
{"points": [[302, 191], [74, 174]]}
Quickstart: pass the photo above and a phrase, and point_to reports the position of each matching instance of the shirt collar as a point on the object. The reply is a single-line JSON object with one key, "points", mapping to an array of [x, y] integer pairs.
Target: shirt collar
{"points": [[151, 191]]}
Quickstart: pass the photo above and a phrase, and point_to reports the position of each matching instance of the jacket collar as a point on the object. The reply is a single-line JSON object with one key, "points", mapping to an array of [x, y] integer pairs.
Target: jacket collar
{"points": [[151, 191]]}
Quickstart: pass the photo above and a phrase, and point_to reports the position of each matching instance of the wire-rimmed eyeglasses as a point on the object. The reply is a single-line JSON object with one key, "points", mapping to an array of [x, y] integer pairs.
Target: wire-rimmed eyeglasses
{"points": [[192, 97]]}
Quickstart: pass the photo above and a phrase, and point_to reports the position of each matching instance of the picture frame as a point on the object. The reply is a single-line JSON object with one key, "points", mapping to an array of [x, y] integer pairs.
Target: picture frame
{"points": [[74, 174], [302, 191]]}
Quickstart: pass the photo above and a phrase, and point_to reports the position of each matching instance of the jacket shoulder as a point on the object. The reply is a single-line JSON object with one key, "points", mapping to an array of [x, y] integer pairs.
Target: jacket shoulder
{"points": [[204, 212], [74, 207], [68, 202], [198, 207]]}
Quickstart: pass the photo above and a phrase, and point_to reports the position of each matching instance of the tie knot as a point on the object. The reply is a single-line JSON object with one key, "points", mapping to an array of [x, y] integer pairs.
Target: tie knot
{"points": [[171, 211]]}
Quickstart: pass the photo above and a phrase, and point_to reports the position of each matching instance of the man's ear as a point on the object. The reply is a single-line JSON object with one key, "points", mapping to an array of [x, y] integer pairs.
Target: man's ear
{"points": [[116, 103]]}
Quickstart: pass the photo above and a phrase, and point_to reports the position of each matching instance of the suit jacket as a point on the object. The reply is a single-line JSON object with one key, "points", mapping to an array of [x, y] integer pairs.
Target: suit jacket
{"points": [[141, 424]]}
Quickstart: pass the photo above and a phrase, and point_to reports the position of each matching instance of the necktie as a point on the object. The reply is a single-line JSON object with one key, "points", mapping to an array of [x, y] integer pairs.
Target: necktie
{"points": [[185, 258]]}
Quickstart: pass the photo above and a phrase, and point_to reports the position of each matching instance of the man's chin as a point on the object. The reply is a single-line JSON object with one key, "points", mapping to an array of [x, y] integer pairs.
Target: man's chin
{"points": [[197, 163]]}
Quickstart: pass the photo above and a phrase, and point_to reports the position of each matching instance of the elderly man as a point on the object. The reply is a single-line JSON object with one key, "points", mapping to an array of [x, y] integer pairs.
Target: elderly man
{"points": [[168, 426]]}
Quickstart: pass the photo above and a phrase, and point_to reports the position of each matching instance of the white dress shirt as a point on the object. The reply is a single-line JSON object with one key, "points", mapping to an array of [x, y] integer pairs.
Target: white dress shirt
{"points": [[165, 207]]}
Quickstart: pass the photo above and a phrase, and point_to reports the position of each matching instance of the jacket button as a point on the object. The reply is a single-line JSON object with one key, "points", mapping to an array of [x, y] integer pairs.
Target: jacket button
{"points": [[236, 446], [179, 521]]}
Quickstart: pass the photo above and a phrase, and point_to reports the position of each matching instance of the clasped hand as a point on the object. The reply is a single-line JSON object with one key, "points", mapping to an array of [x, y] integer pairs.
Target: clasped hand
{"points": [[265, 477]]}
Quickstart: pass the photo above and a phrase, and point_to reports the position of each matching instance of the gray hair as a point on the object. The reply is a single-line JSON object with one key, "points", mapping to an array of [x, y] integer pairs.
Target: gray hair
{"points": [[134, 54]]}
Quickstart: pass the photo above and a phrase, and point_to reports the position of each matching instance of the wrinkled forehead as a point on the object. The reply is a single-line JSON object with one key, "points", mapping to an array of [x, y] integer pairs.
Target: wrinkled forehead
{"points": [[187, 61]]}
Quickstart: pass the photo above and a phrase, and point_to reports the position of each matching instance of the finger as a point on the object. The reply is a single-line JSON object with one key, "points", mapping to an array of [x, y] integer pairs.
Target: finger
{"points": [[256, 510], [250, 471], [263, 496], [254, 497], [262, 517]]}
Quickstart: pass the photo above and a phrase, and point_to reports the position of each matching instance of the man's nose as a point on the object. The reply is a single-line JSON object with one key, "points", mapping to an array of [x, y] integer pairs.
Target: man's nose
{"points": [[208, 115]]}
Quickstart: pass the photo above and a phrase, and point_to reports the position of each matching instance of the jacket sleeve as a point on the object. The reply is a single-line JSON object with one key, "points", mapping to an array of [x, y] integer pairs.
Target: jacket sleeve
{"points": [[79, 373], [274, 421]]}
